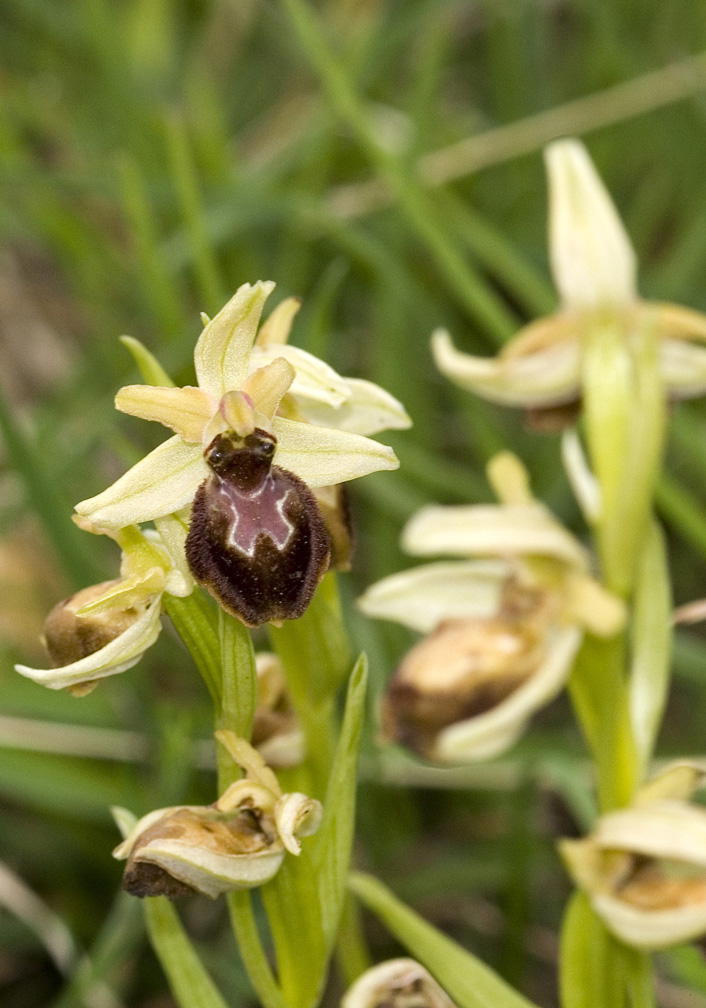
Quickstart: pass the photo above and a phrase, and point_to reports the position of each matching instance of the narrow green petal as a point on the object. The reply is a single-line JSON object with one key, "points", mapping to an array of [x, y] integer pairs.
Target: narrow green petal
{"points": [[223, 349], [322, 456], [159, 484], [422, 597]]}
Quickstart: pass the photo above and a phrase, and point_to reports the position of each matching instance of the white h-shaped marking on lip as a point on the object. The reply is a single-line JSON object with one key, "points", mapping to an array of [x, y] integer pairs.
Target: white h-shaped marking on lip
{"points": [[239, 504]]}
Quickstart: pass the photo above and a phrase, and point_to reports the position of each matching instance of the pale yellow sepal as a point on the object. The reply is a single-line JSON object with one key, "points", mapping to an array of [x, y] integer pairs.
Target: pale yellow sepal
{"points": [[159, 484], [277, 327], [322, 456], [397, 983], [547, 376], [368, 410], [423, 597], [121, 621], [314, 379], [492, 530], [593, 262], [222, 352], [185, 410]]}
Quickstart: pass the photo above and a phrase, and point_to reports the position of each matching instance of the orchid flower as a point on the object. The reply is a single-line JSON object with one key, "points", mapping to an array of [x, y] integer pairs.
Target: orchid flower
{"points": [[237, 843], [242, 385], [502, 628], [644, 868], [594, 270], [397, 983]]}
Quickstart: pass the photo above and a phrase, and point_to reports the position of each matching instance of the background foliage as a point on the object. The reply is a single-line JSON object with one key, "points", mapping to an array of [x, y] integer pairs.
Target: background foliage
{"points": [[154, 154]]}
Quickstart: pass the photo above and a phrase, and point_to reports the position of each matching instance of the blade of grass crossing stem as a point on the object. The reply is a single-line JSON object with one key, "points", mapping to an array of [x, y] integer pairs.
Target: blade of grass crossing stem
{"points": [[190, 983], [651, 639], [149, 367], [160, 292], [251, 950], [419, 209], [467, 980]]}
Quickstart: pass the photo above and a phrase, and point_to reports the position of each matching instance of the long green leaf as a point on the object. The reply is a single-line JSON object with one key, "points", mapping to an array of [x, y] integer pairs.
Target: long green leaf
{"points": [[467, 980], [190, 983], [333, 842]]}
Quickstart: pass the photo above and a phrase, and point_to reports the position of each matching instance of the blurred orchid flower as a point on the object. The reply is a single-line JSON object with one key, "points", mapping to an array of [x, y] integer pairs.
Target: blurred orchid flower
{"points": [[397, 983], [644, 868], [105, 629], [235, 392], [237, 843], [594, 270], [502, 631]]}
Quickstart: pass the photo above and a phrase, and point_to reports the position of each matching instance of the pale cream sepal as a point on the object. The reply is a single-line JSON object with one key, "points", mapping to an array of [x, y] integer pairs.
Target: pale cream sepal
{"points": [[277, 327], [677, 780], [535, 377], [322, 456], [367, 410], [423, 597], [495, 530], [161, 483], [314, 379], [222, 352], [296, 816], [397, 983], [593, 262], [487, 735], [117, 656], [267, 385]]}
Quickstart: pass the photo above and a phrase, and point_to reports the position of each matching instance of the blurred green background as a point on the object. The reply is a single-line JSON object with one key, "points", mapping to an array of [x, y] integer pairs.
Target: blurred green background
{"points": [[155, 154]]}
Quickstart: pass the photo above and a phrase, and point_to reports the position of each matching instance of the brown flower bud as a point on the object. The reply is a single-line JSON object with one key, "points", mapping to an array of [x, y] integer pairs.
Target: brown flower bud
{"points": [[69, 637], [257, 541]]}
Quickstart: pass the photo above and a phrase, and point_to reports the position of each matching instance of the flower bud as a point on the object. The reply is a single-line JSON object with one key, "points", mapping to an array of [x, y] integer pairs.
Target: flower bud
{"points": [[397, 983], [70, 637], [644, 868]]}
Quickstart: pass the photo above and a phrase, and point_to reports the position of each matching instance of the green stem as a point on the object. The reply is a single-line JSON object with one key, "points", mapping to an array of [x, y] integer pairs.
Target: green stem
{"points": [[191, 985], [251, 951], [416, 205], [195, 621], [600, 699]]}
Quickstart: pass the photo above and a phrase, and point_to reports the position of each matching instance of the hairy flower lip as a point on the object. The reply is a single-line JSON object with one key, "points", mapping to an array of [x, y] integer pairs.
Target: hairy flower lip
{"points": [[226, 362]]}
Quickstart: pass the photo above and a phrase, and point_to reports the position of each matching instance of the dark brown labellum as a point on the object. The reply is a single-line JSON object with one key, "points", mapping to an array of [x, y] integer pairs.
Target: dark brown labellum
{"points": [[257, 541]]}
